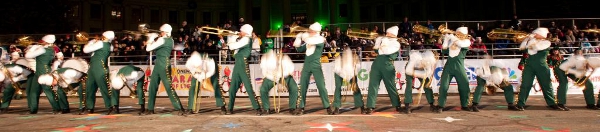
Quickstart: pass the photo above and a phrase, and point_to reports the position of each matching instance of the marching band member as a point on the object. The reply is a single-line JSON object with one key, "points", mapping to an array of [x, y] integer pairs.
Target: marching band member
{"points": [[203, 67], [65, 78], [554, 62], [383, 68], [346, 70], [417, 61], [576, 67], [43, 55], [13, 76], [312, 65], [129, 76], [456, 46], [162, 68], [274, 68], [536, 67], [241, 69], [97, 74], [491, 75]]}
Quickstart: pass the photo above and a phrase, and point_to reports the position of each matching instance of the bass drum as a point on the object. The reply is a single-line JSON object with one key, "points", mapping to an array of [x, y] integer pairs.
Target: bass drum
{"points": [[78, 64]]}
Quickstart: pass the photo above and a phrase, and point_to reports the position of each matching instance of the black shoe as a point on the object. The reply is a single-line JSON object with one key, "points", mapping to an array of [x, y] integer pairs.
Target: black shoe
{"points": [[3, 110], [563, 107], [65, 111], [149, 112], [439, 109], [110, 110], [336, 111], [329, 111], [465, 108], [142, 110], [82, 111], [474, 107], [432, 108], [259, 112], [592, 107], [369, 111], [520, 108], [230, 112], [398, 109], [512, 107], [292, 111], [117, 110], [363, 110], [223, 110], [300, 111], [182, 112], [407, 109], [555, 107]]}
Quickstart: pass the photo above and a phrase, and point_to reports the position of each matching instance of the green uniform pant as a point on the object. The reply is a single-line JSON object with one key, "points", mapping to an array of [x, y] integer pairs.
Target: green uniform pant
{"points": [[460, 75], [382, 69], [409, 87], [195, 89], [240, 75], [509, 95], [561, 91], [115, 96], [337, 95], [63, 101], [162, 73], [97, 79], [35, 91], [588, 92], [81, 93], [139, 90], [313, 68], [542, 73], [267, 85], [8, 94]]}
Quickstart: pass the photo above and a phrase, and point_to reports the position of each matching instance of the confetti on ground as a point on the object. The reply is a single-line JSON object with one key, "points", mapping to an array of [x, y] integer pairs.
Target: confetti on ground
{"points": [[501, 106], [517, 116], [166, 115], [239, 107], [26, 117], [448, 119], [80, 128], [231, 125], [188, 130]]}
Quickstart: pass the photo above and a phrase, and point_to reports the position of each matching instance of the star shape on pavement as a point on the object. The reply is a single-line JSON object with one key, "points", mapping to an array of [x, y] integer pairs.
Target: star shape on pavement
{"points": [[232, 125], [89, 128], [315, 127], [448, 119]]}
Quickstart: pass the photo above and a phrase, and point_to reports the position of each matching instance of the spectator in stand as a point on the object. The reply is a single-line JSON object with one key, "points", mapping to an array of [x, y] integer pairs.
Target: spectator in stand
{"points": [[417, 43], [256, 42], [481, 32], [478, 48], [240, 23], [184, 29], [430, 25], [376, 30], [430, 41], [552, 27], [501, 45], [406, 27], [597, 44], [339, 37], [515, 23]]}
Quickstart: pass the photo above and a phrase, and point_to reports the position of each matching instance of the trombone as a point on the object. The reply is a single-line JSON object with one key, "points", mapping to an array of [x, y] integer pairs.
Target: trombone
{"points": [[132, 93], [294, 30], [142, 30], [217, 31]]}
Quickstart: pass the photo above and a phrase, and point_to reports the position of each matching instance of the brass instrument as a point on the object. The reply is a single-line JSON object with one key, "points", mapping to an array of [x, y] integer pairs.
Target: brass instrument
{"points": [[362, 35], [591, 30], [294, 30], [81, 38], [142, 30], [25, 41], [507, 34], [425, 30], [217, 31], [132, 93], [9, 76], [580, 82]]}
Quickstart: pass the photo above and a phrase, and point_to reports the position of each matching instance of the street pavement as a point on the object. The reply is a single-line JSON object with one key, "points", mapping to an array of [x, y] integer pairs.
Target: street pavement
{"points": [[494, 116]]}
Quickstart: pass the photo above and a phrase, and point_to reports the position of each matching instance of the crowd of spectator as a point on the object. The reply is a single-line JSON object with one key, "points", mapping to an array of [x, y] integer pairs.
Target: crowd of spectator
{"points": [[131, 49]]}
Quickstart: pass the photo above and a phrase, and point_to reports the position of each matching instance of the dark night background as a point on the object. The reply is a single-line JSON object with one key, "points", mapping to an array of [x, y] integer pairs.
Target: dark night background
{"points": [[47, 16]]}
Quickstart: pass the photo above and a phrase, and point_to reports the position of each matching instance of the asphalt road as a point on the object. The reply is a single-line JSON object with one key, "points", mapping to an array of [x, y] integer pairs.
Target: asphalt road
{"points": [[493, 117]]}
